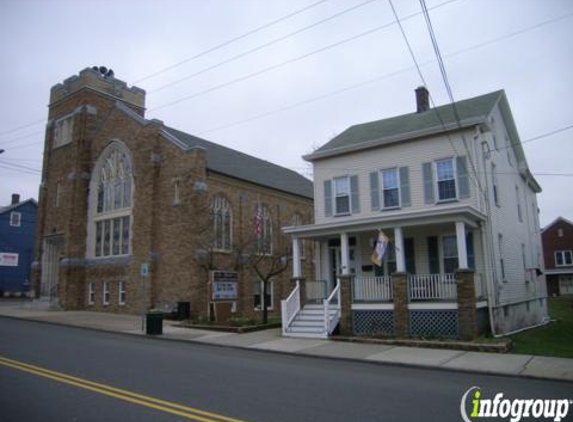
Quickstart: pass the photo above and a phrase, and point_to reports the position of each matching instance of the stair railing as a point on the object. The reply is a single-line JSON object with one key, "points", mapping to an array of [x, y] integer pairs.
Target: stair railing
{"points": [[330, 323], [290, 307]]}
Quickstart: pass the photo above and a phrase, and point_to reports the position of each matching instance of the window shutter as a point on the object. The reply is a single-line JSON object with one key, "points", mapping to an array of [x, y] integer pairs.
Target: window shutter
{"points": [[328, 198], [374, 191], [433, 255], [405, 187], [463, 180], [354, 197], [428, 183]]}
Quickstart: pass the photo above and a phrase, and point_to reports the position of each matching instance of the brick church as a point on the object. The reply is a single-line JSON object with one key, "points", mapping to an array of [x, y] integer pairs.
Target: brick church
{"points": [[136, 215]]}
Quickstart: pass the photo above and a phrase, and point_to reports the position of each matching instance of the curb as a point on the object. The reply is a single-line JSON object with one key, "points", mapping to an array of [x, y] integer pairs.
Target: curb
{"points": [[284, 353]]}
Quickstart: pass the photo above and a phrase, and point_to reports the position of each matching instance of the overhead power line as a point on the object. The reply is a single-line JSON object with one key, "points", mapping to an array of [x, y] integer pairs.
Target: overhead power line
{"points": [[289, 61], [232, 40], [263, 46], [448, 55]]}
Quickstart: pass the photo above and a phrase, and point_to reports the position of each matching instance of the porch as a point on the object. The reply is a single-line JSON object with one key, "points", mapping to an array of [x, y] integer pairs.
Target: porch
{"points": [[431, 281]]}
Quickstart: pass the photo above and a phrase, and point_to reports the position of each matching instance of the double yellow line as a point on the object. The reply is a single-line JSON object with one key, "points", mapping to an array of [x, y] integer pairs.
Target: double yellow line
{"points": [[128, 396]]}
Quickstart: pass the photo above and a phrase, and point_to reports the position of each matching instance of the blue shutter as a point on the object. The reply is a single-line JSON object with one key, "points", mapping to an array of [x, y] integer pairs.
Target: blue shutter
{"points": [[428, 183], [404, 187], [470, 250], [463, 180], [328, 198], [374, 191], [354, 197]]}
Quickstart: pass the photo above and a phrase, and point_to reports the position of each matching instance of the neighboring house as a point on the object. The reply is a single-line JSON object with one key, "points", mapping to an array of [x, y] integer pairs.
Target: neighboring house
{"points": [[134, 214], [451, 189], [558, 254], [17, 232]]}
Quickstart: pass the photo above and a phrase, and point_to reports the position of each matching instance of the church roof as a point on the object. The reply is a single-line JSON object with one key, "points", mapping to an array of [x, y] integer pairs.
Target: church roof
{"points": [[233, 163]]}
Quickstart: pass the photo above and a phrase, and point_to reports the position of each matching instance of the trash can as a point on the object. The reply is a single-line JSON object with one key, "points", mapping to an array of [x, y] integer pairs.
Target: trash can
{"points": [[183, 310], [154, 323]]}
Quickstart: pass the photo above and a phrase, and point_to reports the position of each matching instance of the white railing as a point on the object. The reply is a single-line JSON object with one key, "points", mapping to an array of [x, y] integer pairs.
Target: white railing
{"points": [[432, 287], [330, 322], [479, 286], [316, 290], [290, 307], [372, 289]]}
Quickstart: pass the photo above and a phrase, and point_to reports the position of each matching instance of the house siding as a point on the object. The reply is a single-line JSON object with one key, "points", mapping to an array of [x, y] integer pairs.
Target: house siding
{"points": [[406, 154]]}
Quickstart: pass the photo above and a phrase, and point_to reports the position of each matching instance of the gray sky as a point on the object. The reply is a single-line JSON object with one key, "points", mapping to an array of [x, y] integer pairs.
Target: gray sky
{"points": [[43, 42]]}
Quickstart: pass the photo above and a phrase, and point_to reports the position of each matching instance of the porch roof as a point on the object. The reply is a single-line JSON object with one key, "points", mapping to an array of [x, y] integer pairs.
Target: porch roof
{"points": [[467, 214]]}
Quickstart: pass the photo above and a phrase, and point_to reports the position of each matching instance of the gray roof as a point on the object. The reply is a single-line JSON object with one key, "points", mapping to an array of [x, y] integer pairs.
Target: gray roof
{"points": [[236, 164], [408, 126], [11, 207]]}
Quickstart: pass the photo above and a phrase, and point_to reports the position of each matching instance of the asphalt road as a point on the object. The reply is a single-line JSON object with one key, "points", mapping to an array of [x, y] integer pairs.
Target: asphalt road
{"points": [[227, 383]]}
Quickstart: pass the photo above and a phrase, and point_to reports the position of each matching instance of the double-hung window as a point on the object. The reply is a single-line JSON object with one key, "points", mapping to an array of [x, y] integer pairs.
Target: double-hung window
{"points": [[563, 258], [446, 177], [121, 293], [106, 293], [390, 188], [91, 293], [15, 219], [342, 195]]}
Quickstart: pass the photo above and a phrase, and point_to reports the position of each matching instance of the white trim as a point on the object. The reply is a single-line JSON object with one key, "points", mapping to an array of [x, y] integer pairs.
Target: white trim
{"points": [[402, 218], [481, 304], [432, 305], [372, 306]]}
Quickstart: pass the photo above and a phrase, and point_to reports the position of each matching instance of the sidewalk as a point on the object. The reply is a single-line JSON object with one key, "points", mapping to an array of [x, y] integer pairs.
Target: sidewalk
{"points": [[271, 340]]}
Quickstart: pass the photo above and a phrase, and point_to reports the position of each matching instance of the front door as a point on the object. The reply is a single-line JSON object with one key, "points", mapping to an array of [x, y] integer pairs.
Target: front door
{"points": [[335, 258], [50, 269]]}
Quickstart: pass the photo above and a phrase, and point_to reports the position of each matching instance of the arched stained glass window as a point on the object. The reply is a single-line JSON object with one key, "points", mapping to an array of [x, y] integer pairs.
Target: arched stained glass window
{"points": [[111, 199]]}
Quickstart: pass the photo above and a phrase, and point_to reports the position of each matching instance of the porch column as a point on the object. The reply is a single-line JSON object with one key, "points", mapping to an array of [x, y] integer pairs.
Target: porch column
{"points": [[296, 264], [461, 242], [399, 247], [344, 254]]}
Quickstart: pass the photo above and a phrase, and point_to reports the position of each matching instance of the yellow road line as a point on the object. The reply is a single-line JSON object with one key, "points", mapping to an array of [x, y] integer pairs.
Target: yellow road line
{"points": [[140, 399]]}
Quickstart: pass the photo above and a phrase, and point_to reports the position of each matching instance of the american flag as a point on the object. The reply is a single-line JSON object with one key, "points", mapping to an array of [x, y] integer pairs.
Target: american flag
{"points": [[258, 221]]}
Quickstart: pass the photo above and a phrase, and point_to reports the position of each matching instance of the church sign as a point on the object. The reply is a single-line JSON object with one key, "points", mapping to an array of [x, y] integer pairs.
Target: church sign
{"points": [[8, 259], [224, 285]]}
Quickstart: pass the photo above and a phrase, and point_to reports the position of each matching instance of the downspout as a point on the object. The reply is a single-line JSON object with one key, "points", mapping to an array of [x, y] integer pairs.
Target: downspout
{"points": [[487, 227]]}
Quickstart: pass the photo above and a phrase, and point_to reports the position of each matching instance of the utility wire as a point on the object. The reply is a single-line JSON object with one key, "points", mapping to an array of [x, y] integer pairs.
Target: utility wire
{"points": [[448, 55], [434, 109], [262, 46], [287, 62], [230, 41]]}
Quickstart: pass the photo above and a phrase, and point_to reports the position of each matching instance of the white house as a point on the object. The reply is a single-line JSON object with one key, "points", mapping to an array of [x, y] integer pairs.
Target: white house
{"points": [[451, 189]]}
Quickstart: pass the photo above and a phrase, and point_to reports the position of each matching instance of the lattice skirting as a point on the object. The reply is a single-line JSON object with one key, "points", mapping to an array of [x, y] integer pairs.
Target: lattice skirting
{"points": [[375, 322], [434, 323]]}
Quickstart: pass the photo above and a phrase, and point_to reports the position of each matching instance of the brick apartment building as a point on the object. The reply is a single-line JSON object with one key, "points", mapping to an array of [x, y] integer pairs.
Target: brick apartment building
{"points": [[557, 239], [134, 214]]}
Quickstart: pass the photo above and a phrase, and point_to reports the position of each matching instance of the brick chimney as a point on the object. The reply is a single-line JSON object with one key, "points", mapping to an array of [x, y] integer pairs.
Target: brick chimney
{"points": [[422, 99], [15, 199]]}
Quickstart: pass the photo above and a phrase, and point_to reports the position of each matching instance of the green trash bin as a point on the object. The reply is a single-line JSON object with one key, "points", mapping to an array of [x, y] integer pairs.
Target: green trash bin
{"points": [[154, 323]]}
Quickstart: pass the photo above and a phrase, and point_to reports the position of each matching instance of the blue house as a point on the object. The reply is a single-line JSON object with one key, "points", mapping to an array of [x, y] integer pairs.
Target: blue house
{"points": [[17, 232]]}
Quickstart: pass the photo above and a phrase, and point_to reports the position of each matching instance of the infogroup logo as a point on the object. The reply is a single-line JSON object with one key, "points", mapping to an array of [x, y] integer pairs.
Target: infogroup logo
{"points": [[514, 409]]}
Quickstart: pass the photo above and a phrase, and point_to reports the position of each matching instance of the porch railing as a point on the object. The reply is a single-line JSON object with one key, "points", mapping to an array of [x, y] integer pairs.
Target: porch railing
{"points": [[432, 287], [332, 303], [290, 307], [316, 290], [372, 289]]}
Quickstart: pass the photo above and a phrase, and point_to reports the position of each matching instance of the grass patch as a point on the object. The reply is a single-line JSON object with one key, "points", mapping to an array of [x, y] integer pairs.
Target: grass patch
{"points": [[555, 339]]}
